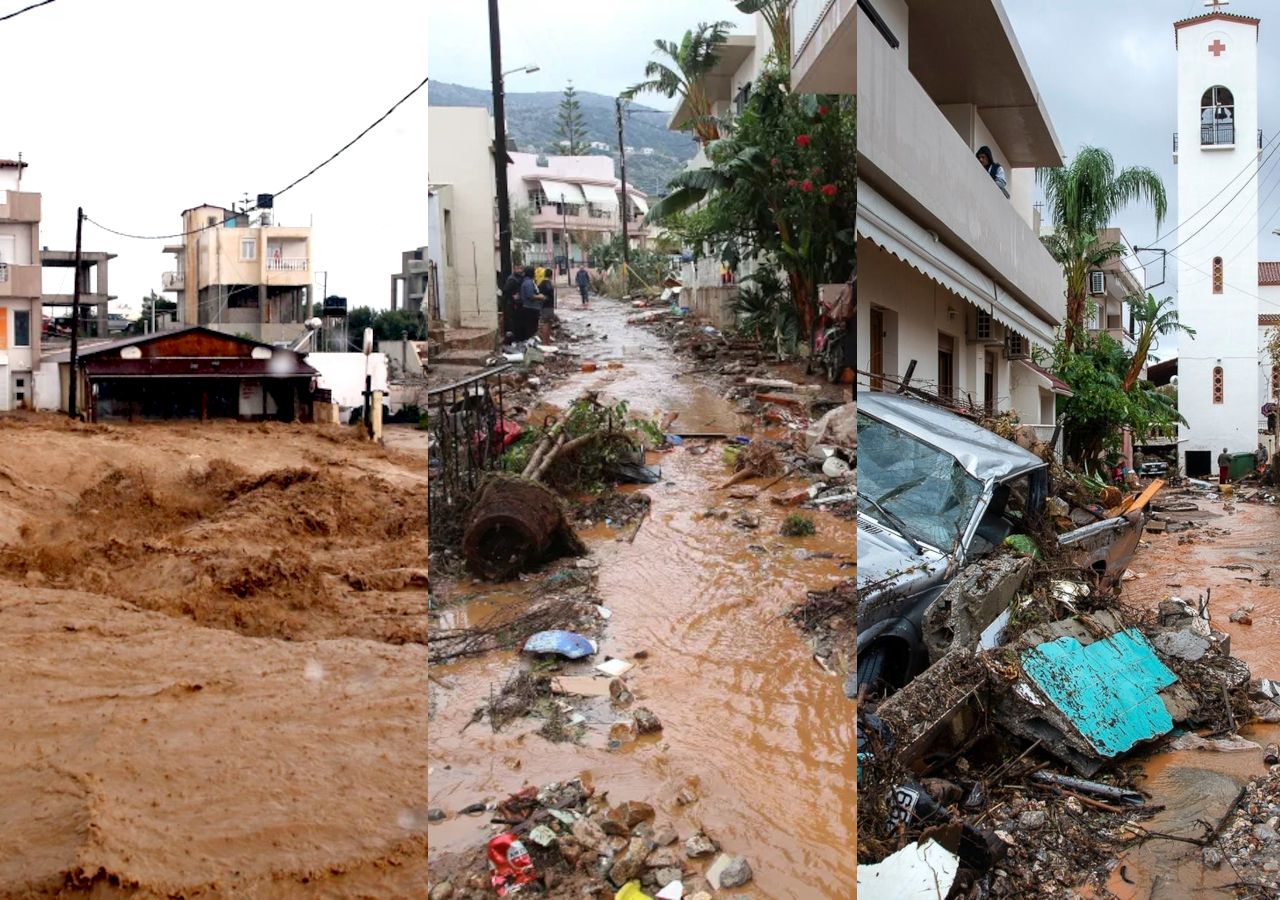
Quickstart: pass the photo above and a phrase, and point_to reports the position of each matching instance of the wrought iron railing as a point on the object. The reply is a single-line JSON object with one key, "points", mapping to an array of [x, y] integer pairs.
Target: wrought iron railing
{"points": [[1218, 134], [465, 442]]}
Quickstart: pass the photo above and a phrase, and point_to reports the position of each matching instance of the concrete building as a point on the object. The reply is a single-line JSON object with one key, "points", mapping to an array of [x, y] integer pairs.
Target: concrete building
{"points": [[574, 203], [708, 285], [94, 281], [824, 47], [954, 284], [462, 232], [409, 285], [20, 288], [241, 276], [1268, 374], [1217, 148], [1111, 285]]}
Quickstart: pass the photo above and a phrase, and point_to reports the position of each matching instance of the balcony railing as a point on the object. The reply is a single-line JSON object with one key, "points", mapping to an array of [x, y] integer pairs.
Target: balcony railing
{"points": [[4, 273], [287, 263], [1218, 134], [173, 281]]}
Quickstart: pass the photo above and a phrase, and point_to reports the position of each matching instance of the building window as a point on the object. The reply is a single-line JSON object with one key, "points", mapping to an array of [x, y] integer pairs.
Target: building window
{"points": [[1217, 118], [537, 199], [1217, 384], [248, 249], [1217, 274], [21, 328]]}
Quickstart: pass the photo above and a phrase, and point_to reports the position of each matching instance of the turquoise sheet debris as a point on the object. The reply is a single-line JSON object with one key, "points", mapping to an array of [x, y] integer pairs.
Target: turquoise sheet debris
{"points": [[1109, 689]]}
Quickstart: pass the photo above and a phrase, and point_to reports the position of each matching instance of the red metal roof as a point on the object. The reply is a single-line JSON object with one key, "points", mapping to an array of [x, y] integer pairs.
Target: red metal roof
{"points": [[1056, 384], [1268, 274], [1209, 17], [1268, 320], [12, 164]]}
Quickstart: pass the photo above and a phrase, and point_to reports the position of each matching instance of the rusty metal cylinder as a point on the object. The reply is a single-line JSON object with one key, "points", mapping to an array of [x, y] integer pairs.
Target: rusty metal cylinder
{"points": [[513, 524]]}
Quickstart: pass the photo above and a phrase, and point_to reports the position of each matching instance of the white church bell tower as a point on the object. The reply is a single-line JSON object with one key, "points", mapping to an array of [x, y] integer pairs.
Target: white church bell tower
{"points": [[1217, 154]]}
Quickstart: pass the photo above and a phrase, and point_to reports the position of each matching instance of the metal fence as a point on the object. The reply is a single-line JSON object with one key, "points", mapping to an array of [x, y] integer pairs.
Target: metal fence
{"points": [[464, 442]]}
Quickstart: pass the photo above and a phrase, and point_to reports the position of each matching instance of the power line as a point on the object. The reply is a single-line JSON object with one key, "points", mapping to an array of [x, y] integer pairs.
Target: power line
{"points": [[288, 187], [26, 9], [1228, 203]]}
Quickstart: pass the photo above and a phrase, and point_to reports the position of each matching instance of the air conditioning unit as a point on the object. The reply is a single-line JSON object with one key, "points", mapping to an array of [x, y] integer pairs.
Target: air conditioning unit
{"points": [[983, 329], [1097, 283], [1016, 347]]}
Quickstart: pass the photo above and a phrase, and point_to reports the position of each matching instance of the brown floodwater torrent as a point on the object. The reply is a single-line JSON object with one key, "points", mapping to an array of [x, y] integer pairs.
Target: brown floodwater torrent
{"points": [[1203, 784], [752, 724]]}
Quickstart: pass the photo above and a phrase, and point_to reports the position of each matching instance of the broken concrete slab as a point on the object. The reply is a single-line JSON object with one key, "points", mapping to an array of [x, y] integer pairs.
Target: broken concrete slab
{"points": [[1183, 645], [971, 602], [1088, 699], [938, 702]]}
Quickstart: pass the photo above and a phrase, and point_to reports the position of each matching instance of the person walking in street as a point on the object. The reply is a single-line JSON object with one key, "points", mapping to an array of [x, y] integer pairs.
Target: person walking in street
{"points": [[994, 169], [1224, 466], [583, 281], [530, 305]]}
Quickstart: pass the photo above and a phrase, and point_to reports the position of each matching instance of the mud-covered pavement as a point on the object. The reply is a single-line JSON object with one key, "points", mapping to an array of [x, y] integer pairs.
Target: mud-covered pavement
{"points": [[753, 728], [211, 646]]}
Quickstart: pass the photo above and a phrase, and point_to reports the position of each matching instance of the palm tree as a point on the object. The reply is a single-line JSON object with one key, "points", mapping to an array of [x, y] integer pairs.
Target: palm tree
{"points": [[1158, 318], [690, 62], [1082, 198]]}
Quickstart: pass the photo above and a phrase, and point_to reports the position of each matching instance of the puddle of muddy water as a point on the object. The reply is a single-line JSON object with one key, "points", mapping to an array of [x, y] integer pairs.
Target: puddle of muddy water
{"points": [[1201, 785], [761, 733]]}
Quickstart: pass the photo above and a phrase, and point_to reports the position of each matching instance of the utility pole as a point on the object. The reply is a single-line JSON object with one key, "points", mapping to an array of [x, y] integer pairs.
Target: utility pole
{"points": [[622, 165], [75, 321], [500, 145]]}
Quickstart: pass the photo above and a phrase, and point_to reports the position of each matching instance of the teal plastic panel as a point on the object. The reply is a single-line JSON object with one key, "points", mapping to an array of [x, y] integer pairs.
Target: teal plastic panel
{"points": [[1109, 689]]}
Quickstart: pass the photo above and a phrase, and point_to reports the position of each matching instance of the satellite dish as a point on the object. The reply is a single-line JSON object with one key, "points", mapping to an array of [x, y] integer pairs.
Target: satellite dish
{"points": [[368, 341]]}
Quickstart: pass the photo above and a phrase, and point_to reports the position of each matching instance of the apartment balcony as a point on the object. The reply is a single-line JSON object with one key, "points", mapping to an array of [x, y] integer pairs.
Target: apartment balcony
{"points": [[287, 263], [19, 281], [912, 155], [173, 281], [19, 206], [824, 47], [549, 218]]}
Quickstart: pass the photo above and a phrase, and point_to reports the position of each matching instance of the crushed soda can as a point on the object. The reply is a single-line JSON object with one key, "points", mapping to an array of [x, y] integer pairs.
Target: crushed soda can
{"points": [[510, 866]]}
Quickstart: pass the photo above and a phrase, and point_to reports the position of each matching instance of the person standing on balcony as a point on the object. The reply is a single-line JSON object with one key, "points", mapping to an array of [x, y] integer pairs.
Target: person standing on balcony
{"points": [[583, 281], [994, 169]]}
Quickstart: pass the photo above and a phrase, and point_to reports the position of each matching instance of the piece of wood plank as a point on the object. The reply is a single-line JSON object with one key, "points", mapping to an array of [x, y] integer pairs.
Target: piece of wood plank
{"points": [[1143, 499]]}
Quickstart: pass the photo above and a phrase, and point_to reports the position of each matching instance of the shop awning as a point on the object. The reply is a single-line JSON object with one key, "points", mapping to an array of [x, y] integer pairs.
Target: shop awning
{"points": [[640, 203], [561, 191], [600, 195], [882, 223]]}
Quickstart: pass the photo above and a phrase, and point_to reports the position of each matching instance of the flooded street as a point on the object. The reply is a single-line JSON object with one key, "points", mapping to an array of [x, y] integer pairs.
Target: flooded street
{"points": [[752, 726], [1227, 558]]}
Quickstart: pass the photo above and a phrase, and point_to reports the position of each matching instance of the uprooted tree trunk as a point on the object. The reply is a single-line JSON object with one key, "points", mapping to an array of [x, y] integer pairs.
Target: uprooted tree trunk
{"points": [[516, 523]]}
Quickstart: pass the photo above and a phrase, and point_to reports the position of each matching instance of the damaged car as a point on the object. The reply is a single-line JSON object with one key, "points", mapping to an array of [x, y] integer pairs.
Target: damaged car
{"points": [[937, 493]]}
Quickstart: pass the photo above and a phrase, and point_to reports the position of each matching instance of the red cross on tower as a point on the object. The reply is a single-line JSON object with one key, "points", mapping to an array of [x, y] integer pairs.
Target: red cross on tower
{"points": [[1217, 47]]}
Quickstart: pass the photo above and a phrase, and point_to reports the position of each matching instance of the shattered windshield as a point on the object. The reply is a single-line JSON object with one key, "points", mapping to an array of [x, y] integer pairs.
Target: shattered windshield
{"points": [[924, 489]]}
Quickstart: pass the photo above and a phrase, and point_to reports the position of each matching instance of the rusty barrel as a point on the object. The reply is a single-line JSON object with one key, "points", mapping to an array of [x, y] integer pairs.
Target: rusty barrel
{"points": [[512, 525]]}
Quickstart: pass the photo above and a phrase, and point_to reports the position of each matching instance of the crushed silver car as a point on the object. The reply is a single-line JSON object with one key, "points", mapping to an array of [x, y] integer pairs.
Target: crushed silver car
{"points": [[937, 493]]}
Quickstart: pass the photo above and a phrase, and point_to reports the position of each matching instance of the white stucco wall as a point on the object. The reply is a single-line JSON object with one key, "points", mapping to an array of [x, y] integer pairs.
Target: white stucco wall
{"points": [[1203, 172], [344, 373]]}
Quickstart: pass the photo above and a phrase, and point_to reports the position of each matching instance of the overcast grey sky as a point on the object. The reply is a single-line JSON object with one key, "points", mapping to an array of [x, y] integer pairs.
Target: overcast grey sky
{"points": [[1107, 71], [603, 52], [139, 109]]}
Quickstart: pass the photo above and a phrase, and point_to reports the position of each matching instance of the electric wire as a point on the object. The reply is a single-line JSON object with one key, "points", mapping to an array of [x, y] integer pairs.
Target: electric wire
{"points": [[25, 9]]}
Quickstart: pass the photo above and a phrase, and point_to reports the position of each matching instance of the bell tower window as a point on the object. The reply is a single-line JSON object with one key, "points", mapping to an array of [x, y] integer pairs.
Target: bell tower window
{"points": [[1217, 384], [1217, 274], [1217, 118]]}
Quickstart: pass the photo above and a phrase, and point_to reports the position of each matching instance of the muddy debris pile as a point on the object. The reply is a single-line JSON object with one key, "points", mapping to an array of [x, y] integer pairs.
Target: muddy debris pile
{"points": [[1004, 764], [566, 840], [1248, 845], [829, 618]]}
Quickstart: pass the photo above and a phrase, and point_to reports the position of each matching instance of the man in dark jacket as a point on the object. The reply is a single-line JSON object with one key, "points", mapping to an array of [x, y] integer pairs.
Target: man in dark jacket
{"points": [[510, 305], [583, 281], [530, 306]]}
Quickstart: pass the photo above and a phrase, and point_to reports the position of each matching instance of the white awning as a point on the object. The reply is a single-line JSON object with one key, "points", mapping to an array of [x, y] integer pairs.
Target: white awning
{"points": [[884, 224], [640, 203], [600, 195], [561, 191]]}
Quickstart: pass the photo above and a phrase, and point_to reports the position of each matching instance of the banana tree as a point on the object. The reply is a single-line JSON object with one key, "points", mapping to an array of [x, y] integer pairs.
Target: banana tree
{"points": [[777, 17], [684, 74], [1157, 318]]}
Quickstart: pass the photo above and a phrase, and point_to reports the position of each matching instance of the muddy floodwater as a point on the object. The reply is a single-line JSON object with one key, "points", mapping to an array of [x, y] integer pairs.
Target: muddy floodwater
{"points": [[752, 725], [1230, 558]]}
